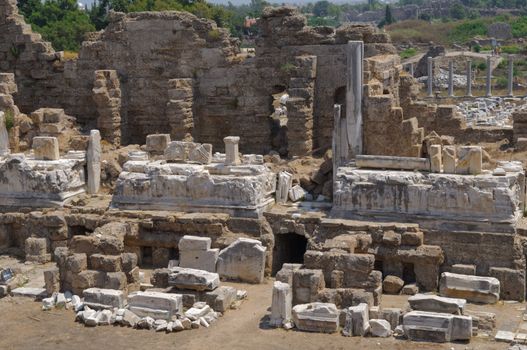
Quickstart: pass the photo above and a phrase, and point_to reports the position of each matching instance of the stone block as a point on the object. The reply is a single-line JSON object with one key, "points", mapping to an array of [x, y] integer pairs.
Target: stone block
{"points": [[157, 305], [76, 263], [157, 143], [391, 162], [380, 328], [286, 273], [159, 278], [285, 182], [436, 327], [199, 259], [194, 243], [392, 315], [29, 292], [281, 304], [306, 285], [115, 280], [97, 298], [472, 288], [434, 303], [84, 244], [52, 280], [180, 151], [392, 284], [410, 289], [160, 256], [87, 279], [357, 321], [464, 269], [128, 261], [221, 298], [316, 317], [297, 193], [243, 260], [106, 263], [36, 250], [232, 156], [46, 148], [435, 159], [93, 162], [512, 283], [470, 160], [193, 279], [412, 238]]}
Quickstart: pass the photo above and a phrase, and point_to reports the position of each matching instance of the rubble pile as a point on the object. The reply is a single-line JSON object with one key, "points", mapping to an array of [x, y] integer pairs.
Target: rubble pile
{"points": [[488, 111]]}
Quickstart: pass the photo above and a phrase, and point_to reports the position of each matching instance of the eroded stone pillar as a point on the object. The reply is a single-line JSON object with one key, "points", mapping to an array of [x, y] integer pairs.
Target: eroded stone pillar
{"points": [[340, 139], [430, 72], [355, 56], [510, 77], [412, 69], [232, 156], [93, 160], [449, 159], [435, 158], [281, 305], [451, 78], [107, 98], [4, 136], [469, 78], [488, 90]]}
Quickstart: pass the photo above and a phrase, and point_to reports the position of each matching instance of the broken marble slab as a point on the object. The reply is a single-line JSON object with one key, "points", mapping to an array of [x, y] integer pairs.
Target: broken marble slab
{"points": [[357, 320], [153, 304], [436, 327], [29, 292], [181, 151], [281, 304], [434, 303], [98, 298], [316, 317], [285, 182], [476, 289], [185, 278], [243, 260]]}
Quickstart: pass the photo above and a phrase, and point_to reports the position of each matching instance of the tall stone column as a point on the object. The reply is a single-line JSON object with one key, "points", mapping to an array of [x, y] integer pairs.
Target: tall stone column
{"points": [[340, 140], [412, 69], [232, 156], [430, 70], [510, 77], [451, 78], [355, 56], [469, 78], [4, 136], [93, 160], [488, 90]]}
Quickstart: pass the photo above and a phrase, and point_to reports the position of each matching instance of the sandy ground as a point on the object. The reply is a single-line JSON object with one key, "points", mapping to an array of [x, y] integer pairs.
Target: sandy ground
{"points": [[25, 326]]}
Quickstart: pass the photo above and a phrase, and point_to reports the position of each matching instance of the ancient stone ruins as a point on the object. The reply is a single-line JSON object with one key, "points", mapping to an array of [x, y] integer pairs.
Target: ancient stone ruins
{"points": [[153, 169]]}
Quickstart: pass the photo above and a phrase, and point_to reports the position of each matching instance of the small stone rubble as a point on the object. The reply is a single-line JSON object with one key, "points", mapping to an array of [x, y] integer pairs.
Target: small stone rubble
{"points": [[488, 111]]}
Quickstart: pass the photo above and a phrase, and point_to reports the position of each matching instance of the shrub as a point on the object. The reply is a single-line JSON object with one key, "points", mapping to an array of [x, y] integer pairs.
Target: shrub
{"points": [[214, 34], [9, 119], [410, 52]]}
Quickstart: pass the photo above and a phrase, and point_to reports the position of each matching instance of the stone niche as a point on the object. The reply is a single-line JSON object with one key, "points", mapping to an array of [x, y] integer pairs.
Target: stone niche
{"points": [[244, 191], [40, 183], [436, 201]]}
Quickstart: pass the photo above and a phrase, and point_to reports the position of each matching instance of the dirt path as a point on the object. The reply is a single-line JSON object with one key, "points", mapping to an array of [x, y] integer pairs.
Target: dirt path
{"points": [[25, 326]]}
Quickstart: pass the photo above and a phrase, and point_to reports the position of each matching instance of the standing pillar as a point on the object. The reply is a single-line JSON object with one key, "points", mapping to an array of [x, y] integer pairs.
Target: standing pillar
{"points": [[451, 78], [232, 155], [93, 160], [430, 63], [412, 69], [340, 140], [488, 90], [4, 136], [510, 80], [355, 56], [469, 78]]}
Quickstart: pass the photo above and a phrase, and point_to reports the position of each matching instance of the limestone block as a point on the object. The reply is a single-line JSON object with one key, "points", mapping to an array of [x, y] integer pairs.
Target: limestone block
{"points": [[194, 243], [157, 305], [435, 158], [87, 279], [281, 304], [52, 280], [4, 136], [243, 260], [29, 292], [199, 259], [37, 249], [463, 269], [434, 303], [470, 160], [472, 288], [380, 328], [157, 143], [180, 151], [286, 273], [97, 298], [449, 159], [106, 263], [512, 283], [392, 315], [392, 284], [115, 280], [232, 156], [306, 285], [436, 327], [76, 262], [193, 279], [46, 148], [221, 298], [285, 182], [391, 162], [316, 317], [93, 161], [412, 238], [137, 156], [357, 321], [128, 261], [297, 193]]}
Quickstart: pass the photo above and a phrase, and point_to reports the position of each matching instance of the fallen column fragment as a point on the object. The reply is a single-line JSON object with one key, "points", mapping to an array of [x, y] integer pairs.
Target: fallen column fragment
{"points": [[476, 289]]}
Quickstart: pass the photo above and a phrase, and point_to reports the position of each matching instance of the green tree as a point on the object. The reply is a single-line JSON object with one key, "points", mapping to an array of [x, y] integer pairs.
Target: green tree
{"points": [[388, 18], [321, 8], [458, 11]]}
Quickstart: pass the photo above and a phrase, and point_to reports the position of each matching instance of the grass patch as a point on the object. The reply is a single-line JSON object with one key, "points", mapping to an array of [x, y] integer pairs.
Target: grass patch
{"points": [[214, 34], [409, 52], [9, 119]]}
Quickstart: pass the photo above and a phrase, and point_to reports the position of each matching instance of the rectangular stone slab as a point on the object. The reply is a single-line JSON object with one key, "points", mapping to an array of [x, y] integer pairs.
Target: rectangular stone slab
{"points": [[184, 278], [434, 303], [476, 289], [316, 317], [436, 327], [145, 301], [98, 298]]}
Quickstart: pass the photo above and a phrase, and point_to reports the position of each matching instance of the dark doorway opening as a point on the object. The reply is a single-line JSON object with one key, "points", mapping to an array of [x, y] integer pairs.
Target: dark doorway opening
{"points": [[288, 248], [378, 266], [146, 256], [408, 273]]}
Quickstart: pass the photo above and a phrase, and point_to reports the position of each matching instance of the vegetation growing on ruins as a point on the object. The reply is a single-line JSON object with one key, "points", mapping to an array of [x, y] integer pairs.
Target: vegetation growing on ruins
{"points": [[9, 119]]}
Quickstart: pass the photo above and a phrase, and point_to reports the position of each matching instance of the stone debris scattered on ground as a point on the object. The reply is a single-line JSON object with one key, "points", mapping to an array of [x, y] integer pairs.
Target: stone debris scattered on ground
{"points": [[488, 111]]}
